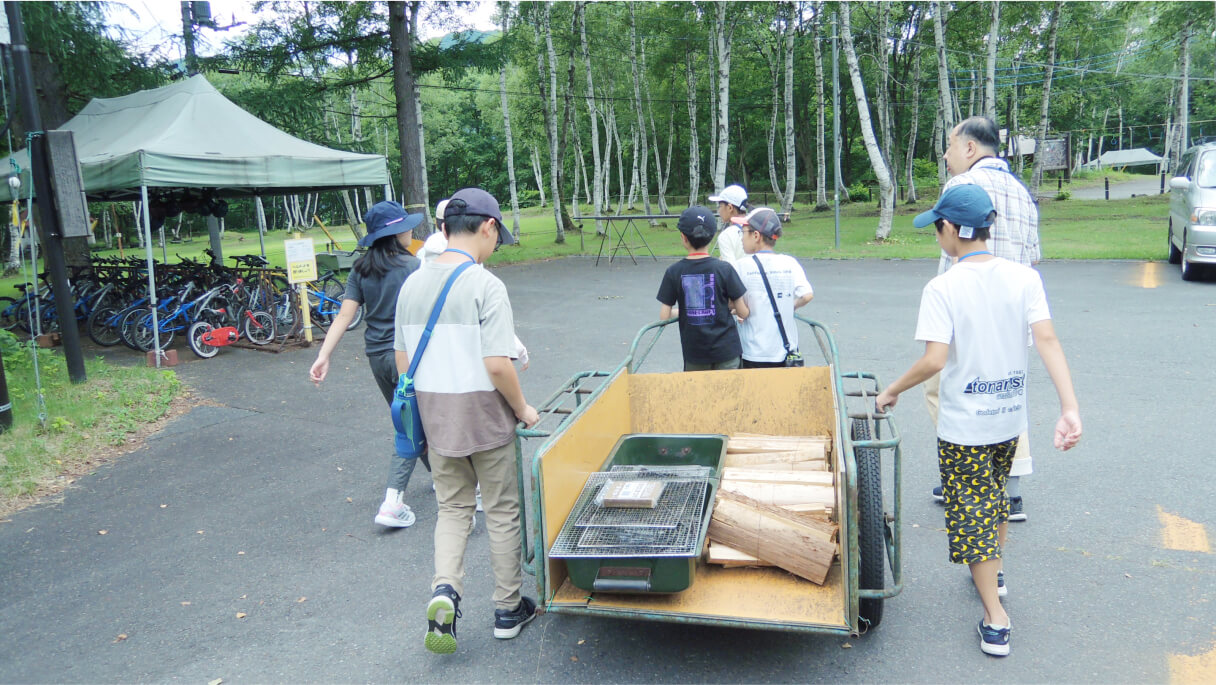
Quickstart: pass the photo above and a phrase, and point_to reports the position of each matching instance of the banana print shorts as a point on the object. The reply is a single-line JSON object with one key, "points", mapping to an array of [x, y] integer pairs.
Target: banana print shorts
{"points": [[973, 484]]}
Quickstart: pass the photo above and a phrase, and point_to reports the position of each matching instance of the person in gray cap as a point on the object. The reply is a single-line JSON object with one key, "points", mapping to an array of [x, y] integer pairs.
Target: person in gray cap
{"points": [[374, 282], [973, 321], [776, 286], [706, 290], [469, 400]]}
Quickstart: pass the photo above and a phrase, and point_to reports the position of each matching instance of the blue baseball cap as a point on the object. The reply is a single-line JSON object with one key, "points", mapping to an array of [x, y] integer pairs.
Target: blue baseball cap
{"points": [[966, 206], [385, 219]]}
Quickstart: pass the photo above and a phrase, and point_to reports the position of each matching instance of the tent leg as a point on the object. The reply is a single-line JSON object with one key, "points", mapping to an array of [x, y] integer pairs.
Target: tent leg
{"points": [[261, 226], [143, 193], [213, 229]]}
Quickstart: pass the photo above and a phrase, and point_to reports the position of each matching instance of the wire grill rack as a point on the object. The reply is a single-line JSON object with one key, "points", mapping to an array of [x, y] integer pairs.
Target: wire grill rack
{"points": [[671, 528]]}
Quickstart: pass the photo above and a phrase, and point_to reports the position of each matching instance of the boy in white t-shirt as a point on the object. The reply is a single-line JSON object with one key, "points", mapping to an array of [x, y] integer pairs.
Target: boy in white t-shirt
{"points": [[763, 343], [973, 320]]}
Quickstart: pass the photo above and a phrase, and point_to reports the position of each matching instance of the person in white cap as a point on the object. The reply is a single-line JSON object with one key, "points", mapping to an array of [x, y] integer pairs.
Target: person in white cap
{"points": [[732, 202], [437, 242]]}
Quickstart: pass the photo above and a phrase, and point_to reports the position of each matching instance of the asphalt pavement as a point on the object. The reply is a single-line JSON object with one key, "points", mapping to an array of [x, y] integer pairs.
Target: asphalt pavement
{"points": [[1118, 191], [240, 544]]}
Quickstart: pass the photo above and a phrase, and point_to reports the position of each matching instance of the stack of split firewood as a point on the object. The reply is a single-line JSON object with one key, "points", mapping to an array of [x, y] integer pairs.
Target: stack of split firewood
{"points": [[775, 505]]}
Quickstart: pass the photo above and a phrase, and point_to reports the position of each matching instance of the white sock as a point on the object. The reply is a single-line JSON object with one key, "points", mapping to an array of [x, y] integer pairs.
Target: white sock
{"points": [[392, 496]]}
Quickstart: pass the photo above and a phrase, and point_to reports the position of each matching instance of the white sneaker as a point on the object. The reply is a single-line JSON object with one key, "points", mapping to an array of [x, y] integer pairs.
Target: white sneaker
{"points": [[396, 515], [479, 499]]}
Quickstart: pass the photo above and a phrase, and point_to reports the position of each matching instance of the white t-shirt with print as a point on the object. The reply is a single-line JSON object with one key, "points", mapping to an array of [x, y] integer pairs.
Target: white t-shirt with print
{"points": [[758, 333], [983, 310]]}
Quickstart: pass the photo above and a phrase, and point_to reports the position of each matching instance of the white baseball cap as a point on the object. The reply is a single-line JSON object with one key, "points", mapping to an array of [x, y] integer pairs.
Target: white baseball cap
{"points": [[733, 194], [443, 204]]}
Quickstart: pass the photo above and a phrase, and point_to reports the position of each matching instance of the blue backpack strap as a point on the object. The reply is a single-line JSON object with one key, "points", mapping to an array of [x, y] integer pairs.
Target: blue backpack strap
{"points": [[430, 324]]}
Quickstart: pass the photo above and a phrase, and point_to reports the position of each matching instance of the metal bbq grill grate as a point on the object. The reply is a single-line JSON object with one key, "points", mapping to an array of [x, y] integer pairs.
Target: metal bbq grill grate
{"points": [[672, 528]]}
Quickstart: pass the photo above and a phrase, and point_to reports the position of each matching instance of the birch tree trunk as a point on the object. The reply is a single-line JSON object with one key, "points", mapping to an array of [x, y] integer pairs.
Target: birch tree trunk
{"points": [[791, 165], [887, 191], [620, 164], [821, 173], [885, 124], [606, 175], [910, 181], [722, 35], [597, 184], [506, 125], [994, 33], [1036, 175], [351, 217], [694, 148], [1184, 94], [633, 178], [773, 59], [538, 174], [943, 69], [938, 147], [640, 130], [712, 157], [555, 191]]}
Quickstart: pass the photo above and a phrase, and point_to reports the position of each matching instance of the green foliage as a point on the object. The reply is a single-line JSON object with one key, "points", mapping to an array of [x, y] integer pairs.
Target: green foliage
{"points": [[1063, 195]]}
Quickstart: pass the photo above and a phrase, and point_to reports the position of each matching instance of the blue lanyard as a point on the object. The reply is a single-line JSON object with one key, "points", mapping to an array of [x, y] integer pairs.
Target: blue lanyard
{"points": [[973, 254], [452, 249]]}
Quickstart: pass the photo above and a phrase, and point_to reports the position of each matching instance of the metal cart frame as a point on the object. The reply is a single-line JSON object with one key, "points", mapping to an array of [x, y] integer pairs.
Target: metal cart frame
{"points": [[859, 434]]}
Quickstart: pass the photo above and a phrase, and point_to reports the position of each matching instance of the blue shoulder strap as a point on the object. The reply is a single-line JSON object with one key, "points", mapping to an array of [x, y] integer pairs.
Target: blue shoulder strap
{"points": [[430, 324]]}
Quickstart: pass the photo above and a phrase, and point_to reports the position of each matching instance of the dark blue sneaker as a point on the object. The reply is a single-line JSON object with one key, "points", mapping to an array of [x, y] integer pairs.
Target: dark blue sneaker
{"points": [[441, 615], [507, 624], [1001, 590], [994, 641], [1016, 511], [938, 496]]}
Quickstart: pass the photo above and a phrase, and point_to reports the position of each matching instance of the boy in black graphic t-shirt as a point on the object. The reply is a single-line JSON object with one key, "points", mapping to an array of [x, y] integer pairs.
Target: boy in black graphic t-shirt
{"points": [[706, 289]]}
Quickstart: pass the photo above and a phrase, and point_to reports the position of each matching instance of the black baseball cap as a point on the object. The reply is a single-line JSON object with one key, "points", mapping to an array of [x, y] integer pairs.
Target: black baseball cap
{"points": [[698, 222]]}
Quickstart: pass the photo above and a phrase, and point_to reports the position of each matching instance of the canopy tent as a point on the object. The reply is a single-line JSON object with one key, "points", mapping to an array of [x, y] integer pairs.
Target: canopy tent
{"points": [[167, 141], [1124, 158], [188, 135]]}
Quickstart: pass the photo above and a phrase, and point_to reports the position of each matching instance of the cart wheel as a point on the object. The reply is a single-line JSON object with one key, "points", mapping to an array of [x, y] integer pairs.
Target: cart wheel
{"points": [[870, 539]]}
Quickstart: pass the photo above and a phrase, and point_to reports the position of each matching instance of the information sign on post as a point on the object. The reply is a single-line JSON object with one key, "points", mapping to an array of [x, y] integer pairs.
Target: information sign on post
{"points": [[301, 260]]}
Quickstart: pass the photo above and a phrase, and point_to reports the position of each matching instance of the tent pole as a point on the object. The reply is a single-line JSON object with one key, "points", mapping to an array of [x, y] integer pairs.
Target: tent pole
{"points": [[261, 224], [143, 193], [388, 192]]}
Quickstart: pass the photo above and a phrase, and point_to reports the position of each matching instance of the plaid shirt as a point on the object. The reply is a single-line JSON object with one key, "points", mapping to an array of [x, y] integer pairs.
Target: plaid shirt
{"points": [[1015, 233]]}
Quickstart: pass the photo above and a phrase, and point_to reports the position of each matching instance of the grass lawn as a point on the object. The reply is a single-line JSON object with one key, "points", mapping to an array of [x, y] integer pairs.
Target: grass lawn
{"points": [[1069, 229], [85, 423]]}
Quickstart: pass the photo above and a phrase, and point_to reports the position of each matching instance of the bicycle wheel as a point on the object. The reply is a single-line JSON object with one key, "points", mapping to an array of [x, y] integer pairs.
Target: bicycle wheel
{"points": [[127, 324], [259, 327], [287, 314], [8, 313], [103, 328], [144, 338], [195, 339]]}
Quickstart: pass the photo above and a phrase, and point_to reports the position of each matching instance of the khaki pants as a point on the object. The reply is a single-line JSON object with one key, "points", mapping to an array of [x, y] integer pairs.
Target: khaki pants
{"points": [[456, 480], [1022, 463]]}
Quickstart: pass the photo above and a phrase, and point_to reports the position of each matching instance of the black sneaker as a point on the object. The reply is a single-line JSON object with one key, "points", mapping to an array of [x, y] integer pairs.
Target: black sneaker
{"points": [[994, 641], [1015, 509], [441, 615], [938, 496], [507, 624]]}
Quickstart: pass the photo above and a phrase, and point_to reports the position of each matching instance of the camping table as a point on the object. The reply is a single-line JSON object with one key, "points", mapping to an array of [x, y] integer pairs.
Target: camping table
{"points": [[622, 223]]}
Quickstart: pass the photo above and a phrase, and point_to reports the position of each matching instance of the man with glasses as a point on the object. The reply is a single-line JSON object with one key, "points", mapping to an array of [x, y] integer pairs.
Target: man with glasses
{"points": [[469, 399]]}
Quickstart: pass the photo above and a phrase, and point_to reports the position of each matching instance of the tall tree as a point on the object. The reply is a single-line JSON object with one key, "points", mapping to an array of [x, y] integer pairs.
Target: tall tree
{"points": [[505, 11], [724, 29], [694, 148], [945, 101], [642, 150], [821, 197], [885, 188], [409, 130], [791, 169], [1036, 175], [994, 36], [548, 71], [597, 192]]}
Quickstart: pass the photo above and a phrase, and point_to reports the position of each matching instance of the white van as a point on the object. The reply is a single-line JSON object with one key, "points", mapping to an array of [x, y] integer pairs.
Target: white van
{"points": [[1192, 227]]}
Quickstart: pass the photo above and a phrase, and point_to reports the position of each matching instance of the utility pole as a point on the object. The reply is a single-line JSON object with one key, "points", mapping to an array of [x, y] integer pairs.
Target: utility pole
{"points": [[48, 223], [188, 37], [836, 122]]}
